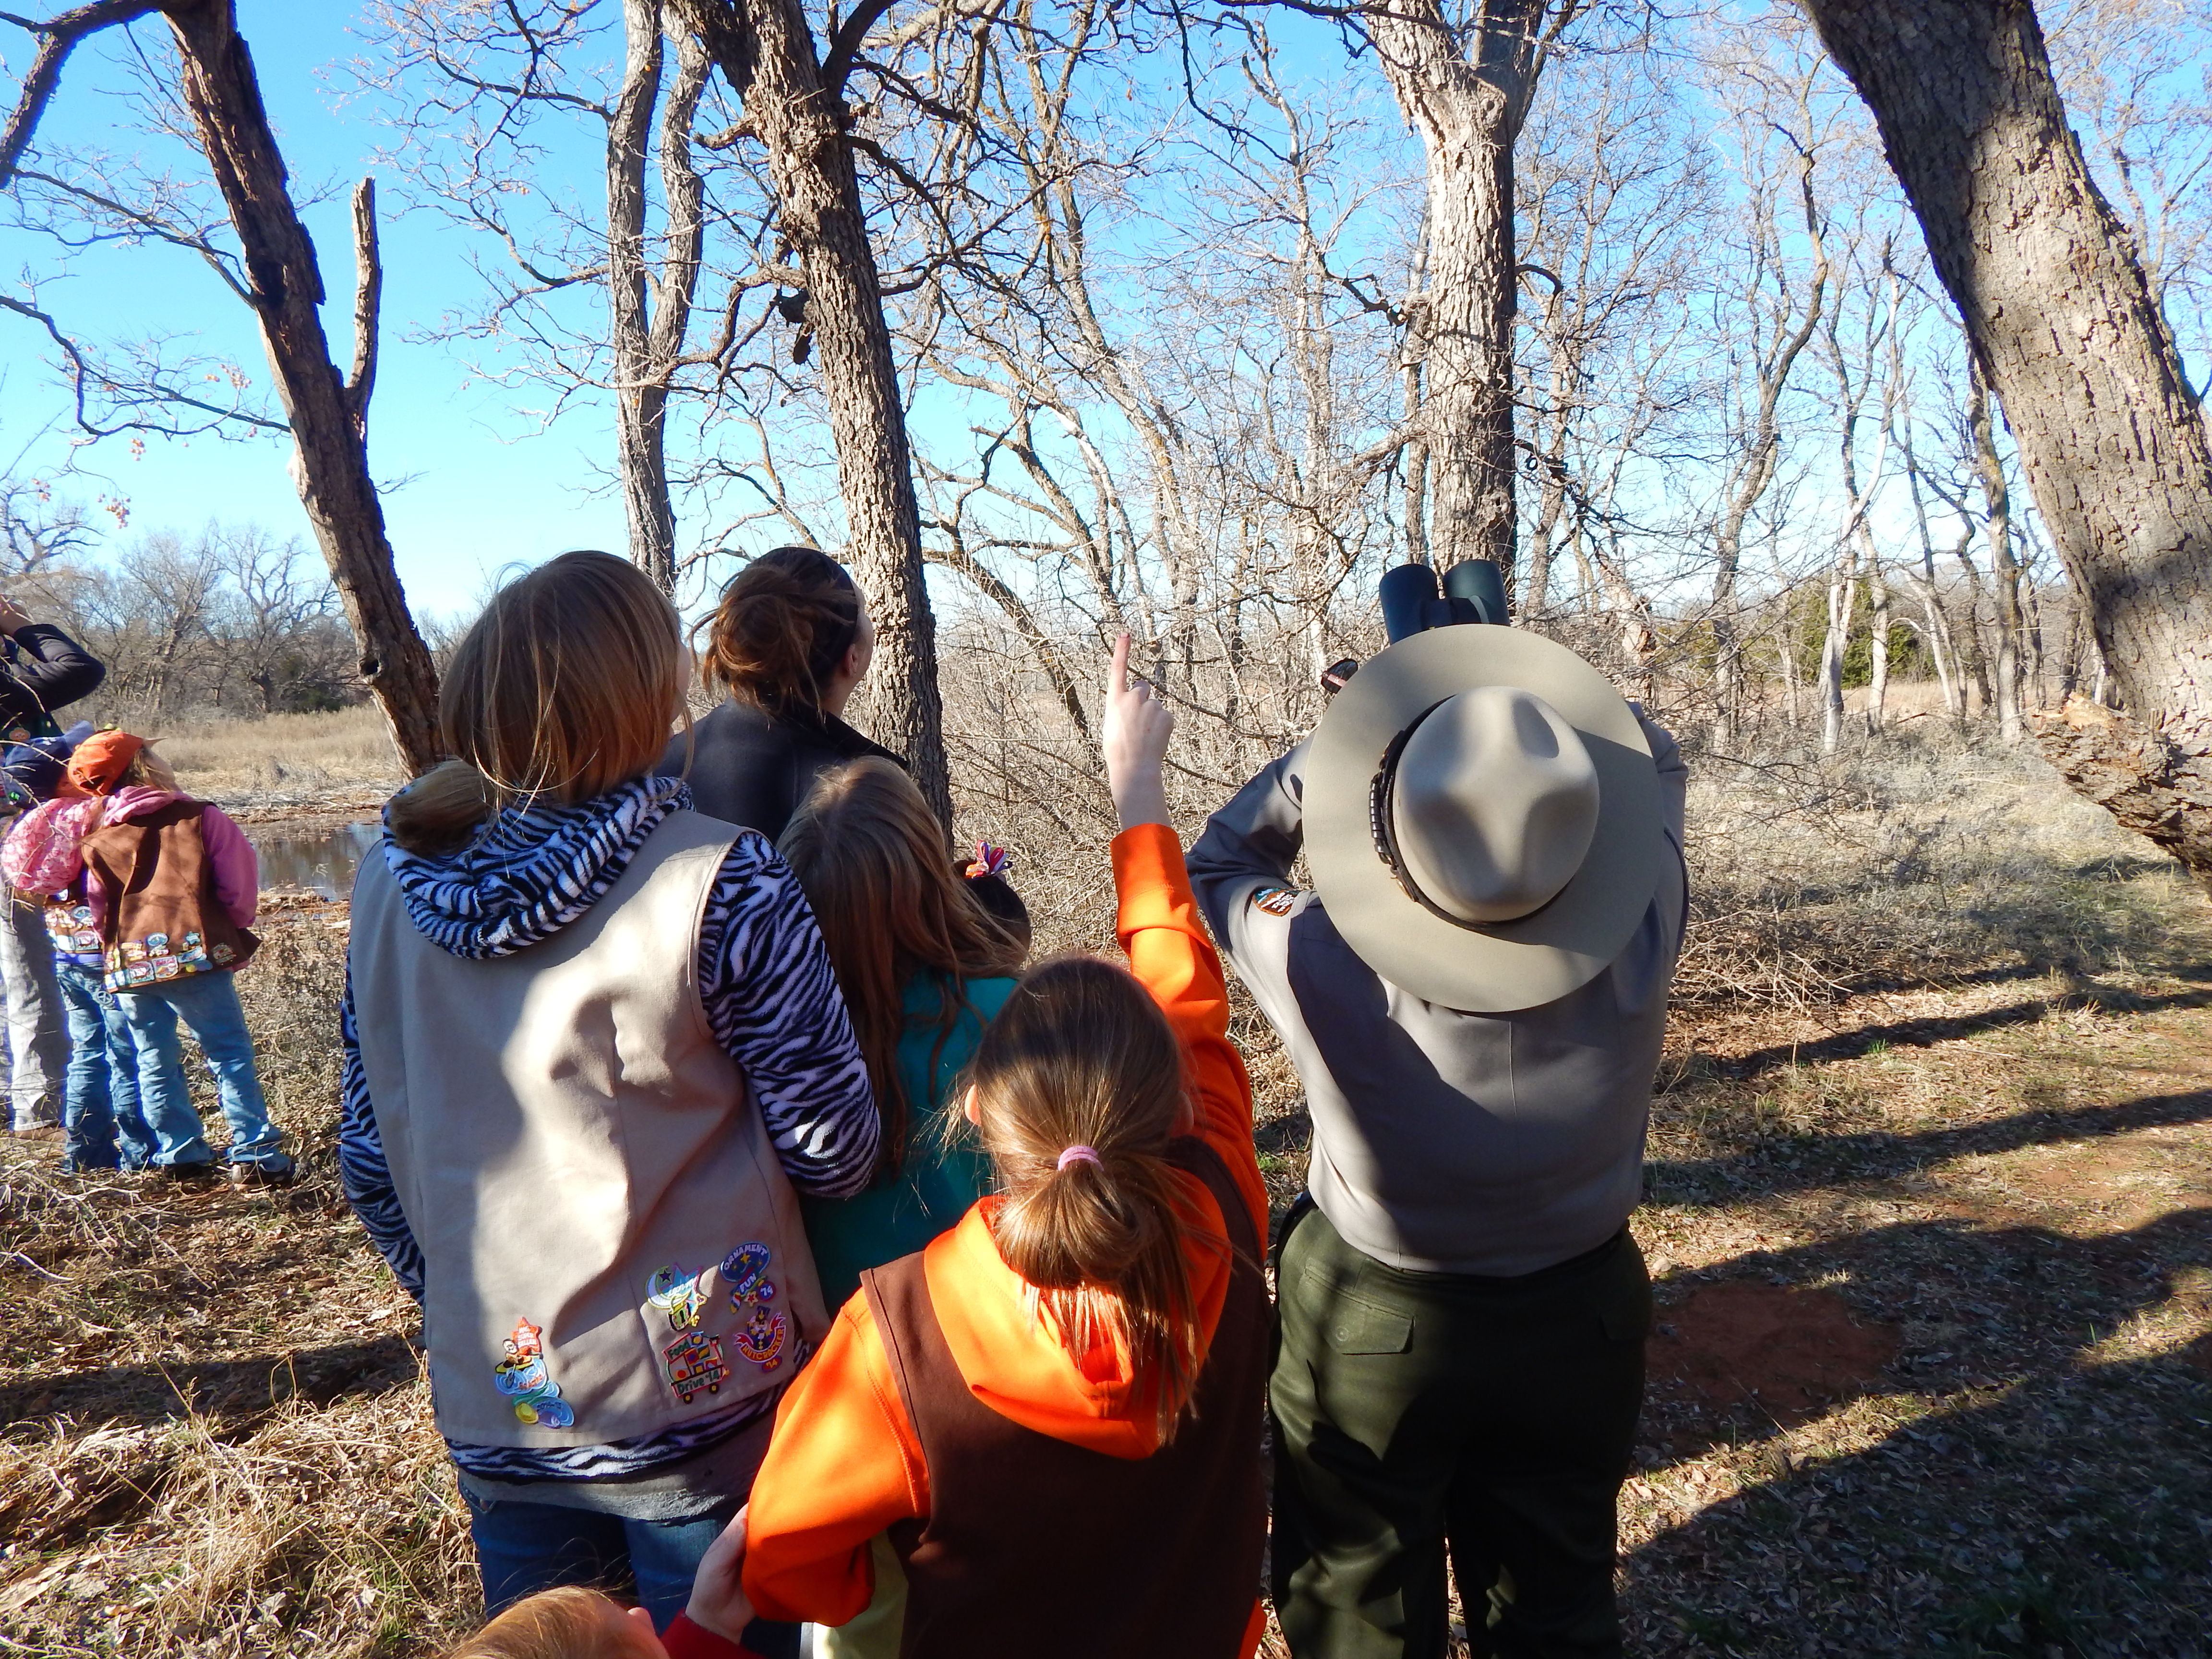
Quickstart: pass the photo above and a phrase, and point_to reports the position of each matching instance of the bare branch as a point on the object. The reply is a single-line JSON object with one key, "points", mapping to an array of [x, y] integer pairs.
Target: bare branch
{"points": [[367, 301], [58, 38]]}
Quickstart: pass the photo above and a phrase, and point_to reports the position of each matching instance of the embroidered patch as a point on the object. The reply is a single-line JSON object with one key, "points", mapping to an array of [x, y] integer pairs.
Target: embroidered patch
{"points": [[694, 1362], [521, 1375], [1275, 901], [763, 1340], [746, 1270], [224, 953], [676, 1294]]}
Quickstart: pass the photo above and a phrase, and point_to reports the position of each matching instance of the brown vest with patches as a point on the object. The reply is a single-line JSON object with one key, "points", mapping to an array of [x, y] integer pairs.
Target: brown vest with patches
{"points": [[1036, 1546], [164, 921]]}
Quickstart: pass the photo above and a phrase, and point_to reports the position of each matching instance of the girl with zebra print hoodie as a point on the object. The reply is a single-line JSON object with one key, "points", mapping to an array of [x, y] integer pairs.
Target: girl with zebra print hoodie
{"points": [[592, 1045]]}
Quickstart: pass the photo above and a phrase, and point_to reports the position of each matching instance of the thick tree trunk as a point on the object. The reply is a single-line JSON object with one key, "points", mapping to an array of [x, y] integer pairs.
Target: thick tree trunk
{"points": [[2065, 330], [767, 51], [328, 415], [1467, 98]]}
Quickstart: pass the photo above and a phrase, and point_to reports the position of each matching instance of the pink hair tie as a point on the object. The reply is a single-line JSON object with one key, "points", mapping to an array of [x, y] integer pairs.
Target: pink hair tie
{"points": [[1076, 1155]]}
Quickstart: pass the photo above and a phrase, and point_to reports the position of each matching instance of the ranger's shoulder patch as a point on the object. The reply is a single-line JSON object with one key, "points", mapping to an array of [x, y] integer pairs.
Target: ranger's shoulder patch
{"points": [[1275, 901]]}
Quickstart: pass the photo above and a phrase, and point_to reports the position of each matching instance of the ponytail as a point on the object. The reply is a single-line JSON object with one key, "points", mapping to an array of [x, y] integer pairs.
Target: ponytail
{"points": [[438, 812], [1078, 1085]]}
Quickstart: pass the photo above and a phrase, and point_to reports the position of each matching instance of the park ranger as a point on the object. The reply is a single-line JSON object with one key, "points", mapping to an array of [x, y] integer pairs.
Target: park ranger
{"points": [[1473, 994]]}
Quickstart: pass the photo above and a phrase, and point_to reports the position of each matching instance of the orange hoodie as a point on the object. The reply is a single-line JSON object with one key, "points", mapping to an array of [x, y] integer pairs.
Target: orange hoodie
{"points": [[845, 1462]]}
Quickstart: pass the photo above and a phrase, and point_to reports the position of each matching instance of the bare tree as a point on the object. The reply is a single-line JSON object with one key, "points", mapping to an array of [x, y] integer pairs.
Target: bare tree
{"points": [[326, 411], [2067, 332], [793, 98], [1782, 308], [1464, 82], [469, 88]]}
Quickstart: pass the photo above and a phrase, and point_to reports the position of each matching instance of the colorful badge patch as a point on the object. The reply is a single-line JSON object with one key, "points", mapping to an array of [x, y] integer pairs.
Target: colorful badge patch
{"points": [[677, 1294], [521, 1375], [763, 1340], [155, 957], [694, 1362], [745, 1268], [1275, 901]]}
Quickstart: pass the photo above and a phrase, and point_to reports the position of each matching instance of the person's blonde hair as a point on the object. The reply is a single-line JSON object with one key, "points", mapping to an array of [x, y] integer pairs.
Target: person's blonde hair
{"points": [[1080, 1056], [871, 856], [567, 685], [557, 1624]]}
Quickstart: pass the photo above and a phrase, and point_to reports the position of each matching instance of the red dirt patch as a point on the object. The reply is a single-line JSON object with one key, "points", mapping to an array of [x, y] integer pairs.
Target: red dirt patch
{"points": [[1794, 1353]]}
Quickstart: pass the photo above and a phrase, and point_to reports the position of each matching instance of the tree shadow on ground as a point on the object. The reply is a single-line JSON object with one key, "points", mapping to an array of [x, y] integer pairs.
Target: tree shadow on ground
{"points": [[2067, 1517], [1926, 1033], [2050, 1502], [1794, 1163], [231, 1392]]}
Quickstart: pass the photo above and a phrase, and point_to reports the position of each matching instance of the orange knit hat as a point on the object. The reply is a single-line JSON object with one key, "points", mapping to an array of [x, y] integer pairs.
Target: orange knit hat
{"points": [[101, 759]]}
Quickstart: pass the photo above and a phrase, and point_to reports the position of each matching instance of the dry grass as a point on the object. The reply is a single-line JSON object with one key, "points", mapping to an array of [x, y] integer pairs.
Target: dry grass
{"points": [[287, 760], [1937, 1101], [218, 1436]]}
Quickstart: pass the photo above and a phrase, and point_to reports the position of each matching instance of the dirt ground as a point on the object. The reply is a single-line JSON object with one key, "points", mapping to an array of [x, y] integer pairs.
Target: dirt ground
{"points": [[1932, 1372]]}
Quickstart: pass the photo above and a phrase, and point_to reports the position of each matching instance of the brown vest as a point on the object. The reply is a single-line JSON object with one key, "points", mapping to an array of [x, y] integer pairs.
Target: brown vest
{"points": [[1036, 1546], [164, 921]]}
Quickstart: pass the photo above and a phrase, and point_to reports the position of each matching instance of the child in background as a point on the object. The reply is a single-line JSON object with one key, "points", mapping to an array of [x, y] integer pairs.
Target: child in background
{"points": [[100, 1096], [571, 1623], [1054, 1408], [170, 885], [924, 968]]}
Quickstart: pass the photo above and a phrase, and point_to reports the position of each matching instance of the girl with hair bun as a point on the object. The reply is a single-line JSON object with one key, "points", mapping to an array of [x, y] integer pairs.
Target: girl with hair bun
{"points": [[594, 1050], [786, 648], [787, 645], [1054, 1408]]}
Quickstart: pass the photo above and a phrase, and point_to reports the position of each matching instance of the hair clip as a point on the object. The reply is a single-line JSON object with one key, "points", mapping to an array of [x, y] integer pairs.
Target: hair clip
{"points": [[989, 861]]}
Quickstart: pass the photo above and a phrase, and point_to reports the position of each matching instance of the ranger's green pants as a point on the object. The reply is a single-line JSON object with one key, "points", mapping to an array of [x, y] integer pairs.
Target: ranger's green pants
{"points": [[1413, 1409]]}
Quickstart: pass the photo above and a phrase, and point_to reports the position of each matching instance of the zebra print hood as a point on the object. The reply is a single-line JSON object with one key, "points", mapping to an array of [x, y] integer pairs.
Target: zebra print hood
{"points": [[530, 870]]}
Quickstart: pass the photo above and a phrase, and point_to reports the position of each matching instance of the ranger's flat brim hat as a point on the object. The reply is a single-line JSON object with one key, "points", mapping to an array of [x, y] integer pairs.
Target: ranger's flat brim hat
{"points": [[1486, 967]]}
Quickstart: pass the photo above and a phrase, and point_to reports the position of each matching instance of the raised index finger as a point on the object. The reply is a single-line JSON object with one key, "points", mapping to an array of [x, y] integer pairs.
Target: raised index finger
{"points": [[1117, 676]]}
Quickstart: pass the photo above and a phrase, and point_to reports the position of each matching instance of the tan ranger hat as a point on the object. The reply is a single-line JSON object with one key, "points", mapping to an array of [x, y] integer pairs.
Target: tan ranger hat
{"points": [[1482, 817]]}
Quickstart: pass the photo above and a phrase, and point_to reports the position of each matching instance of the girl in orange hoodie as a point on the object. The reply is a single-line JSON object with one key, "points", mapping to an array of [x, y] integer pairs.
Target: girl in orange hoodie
{"points": [[1052, 1410]]}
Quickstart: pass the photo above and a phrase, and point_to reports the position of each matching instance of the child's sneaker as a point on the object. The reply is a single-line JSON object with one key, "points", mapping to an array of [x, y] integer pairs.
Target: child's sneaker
{"points": [[277, 1171], [185, 1174]]}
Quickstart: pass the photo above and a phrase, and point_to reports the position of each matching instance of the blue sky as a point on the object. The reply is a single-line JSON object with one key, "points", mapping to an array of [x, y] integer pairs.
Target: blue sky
{"points": [[479, 488]]}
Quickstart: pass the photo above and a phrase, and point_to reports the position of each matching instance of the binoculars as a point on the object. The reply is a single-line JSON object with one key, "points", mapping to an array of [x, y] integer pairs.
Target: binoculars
{"points": [[1473, 591]]}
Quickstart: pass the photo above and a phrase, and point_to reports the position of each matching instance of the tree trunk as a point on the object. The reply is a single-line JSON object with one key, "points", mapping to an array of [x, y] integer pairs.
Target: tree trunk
{"points": [[640, 390], [1877, 712], [1843, 605], [328, 415], [2066, 330], [767, 51], [2004, 568], [1467, 95]]}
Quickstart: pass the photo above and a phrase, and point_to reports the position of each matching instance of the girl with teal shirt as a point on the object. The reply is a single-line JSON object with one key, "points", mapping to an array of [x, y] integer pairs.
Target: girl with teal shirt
{"points": [[924, 968]]}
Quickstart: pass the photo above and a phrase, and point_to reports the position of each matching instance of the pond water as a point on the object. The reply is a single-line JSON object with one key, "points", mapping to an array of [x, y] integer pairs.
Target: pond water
{"points": [[321, 864]]}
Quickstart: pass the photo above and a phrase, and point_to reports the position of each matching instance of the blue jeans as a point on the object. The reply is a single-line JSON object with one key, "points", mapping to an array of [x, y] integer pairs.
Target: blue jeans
{"points": [[523, 1548], [99, 1093], [208, 1005]]}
